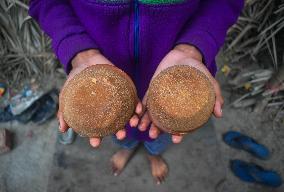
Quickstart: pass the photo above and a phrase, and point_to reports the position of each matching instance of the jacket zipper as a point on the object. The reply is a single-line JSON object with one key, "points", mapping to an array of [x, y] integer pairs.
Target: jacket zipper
{"points": [[136, 32]]}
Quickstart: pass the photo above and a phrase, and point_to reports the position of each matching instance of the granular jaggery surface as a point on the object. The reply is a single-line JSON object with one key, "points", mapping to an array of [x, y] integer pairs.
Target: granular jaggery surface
{"points": [[180, 99], [98, 101]]}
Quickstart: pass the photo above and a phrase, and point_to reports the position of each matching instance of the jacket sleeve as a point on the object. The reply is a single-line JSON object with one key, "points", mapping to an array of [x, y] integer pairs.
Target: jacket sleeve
{"points": [[58, 20], [206, 30]]}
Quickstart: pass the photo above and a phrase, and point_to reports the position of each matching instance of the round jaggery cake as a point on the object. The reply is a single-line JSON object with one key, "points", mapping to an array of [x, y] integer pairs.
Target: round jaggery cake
{"points": [[180, 99], [98, 101]]}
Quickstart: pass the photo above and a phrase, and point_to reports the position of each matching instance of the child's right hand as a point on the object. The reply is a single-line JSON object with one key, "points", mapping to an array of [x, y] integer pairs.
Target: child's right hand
{"points": [[81, 61]]}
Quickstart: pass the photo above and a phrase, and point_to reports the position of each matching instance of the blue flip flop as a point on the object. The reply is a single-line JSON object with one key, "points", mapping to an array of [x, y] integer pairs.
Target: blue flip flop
{"points": [[240, 141], [253, 173]]}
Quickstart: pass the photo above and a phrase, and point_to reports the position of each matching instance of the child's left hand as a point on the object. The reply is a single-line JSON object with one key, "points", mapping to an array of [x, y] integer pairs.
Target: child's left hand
{"points": [[181, 54]]}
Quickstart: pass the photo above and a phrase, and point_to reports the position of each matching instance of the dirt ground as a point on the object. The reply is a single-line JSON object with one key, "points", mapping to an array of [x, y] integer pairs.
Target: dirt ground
{"points": [[38, 163]]}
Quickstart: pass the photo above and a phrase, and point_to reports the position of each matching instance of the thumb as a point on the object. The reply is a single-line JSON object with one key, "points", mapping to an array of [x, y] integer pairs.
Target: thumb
{"points": [[62, 124]]}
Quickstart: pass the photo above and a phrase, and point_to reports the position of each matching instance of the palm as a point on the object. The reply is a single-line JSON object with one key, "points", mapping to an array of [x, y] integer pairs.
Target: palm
{"points": [[177, 57], [78, 66]]}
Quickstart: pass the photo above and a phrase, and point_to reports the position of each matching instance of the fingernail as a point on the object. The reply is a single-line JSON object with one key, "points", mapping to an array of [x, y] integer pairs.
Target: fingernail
{"points": [[176, 140], [158, 183], [115, 174], [93, 144], [152, 134], [133, 125], [141, 128], [221, 111]]}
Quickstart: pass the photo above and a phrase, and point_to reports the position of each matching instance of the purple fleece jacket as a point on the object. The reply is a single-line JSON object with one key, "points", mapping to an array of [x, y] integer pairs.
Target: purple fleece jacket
{"points": [[135, 35]]}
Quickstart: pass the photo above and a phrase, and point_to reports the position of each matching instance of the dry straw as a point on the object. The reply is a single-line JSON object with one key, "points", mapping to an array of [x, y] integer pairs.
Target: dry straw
{"points": [[259, 31], [24, 49]]}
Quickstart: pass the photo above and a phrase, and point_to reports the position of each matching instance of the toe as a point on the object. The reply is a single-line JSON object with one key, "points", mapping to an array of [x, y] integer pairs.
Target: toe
{"points": [[115, 170], [158, 181]]}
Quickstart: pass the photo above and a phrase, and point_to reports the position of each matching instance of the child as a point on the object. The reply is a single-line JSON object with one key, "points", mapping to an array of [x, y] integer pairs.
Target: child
{"points": [[141, 37]]}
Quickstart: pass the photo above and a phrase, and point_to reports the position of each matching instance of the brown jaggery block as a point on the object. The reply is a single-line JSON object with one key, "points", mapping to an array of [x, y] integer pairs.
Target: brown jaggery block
{"points": [[98, 101], [180, 99], [5, 141]]}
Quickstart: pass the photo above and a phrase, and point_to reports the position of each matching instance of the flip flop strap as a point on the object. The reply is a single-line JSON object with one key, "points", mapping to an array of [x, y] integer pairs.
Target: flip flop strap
{"points": [[241, 140], [255, 171]]}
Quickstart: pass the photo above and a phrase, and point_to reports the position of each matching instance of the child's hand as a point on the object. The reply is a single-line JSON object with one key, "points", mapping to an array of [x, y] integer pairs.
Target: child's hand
{"points": [[79, 63], [185, 55]]}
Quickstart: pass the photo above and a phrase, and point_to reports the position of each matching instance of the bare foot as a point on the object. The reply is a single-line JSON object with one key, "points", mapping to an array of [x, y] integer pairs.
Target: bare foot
{"points": [[159, 168], [119, 160]]}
